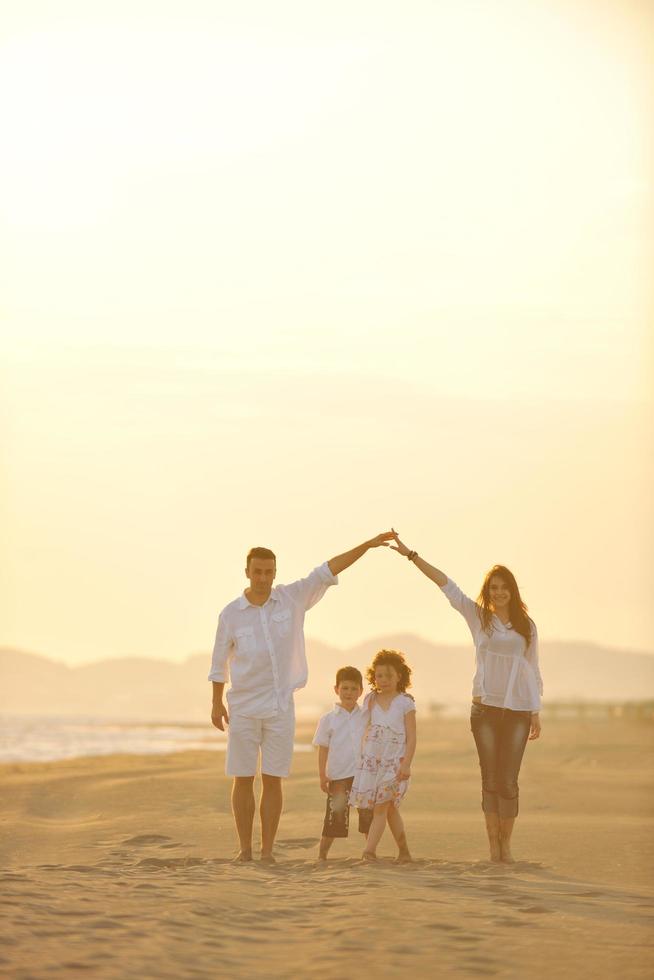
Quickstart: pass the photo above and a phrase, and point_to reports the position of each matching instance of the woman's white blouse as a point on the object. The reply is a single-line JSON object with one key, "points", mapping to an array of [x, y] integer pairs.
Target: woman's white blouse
{"points": [[507, 674]]}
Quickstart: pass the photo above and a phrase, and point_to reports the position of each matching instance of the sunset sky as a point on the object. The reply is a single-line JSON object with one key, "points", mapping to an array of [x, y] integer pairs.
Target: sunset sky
{"points": [[287, 274]]}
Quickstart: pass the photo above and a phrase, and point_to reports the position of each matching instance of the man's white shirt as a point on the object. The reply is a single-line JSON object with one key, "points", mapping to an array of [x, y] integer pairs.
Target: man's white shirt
{"points": [[342, 732], [260, 649]]}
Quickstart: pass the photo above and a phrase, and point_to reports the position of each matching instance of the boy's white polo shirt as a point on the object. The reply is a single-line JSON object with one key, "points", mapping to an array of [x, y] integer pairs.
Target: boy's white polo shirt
{"points": [[341, 731]]}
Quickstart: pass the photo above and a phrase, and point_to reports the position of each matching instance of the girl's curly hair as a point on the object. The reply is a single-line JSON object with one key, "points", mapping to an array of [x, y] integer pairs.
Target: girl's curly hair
{"points": [[391, 658]]}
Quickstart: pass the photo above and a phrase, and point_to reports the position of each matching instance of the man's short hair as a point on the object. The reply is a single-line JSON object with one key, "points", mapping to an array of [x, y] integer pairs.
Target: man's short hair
{"points": [[349, 674], [259, 553]]}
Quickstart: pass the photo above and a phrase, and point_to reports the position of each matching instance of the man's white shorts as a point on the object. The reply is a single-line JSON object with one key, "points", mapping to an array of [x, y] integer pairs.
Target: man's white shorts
{"points": [[272, 736]]}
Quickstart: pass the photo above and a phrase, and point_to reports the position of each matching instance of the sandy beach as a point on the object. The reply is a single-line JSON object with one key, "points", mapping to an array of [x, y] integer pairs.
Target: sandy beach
{"points": [[121, 867]]}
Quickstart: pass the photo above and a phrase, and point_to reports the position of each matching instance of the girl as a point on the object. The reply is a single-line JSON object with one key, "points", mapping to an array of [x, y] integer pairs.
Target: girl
{"points": [[506, 689], [389, 743]]}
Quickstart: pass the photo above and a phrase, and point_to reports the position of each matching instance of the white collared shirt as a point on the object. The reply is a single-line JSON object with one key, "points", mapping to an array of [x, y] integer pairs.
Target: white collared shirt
{"points": [[260, 649], [342, 732], [507, 675]]}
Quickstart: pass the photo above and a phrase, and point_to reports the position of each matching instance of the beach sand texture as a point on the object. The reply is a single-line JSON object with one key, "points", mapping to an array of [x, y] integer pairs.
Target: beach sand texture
{"points": [[121, 867]]}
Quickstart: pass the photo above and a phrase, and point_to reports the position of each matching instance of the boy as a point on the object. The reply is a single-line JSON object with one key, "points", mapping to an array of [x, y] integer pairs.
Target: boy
{"points": [[338, 738]]}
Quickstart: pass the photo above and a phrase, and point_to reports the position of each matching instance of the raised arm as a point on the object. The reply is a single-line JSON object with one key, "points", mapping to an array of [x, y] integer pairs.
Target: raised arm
{"points": [[308, 591], [456, 598], [435, 574], [341, 562]]}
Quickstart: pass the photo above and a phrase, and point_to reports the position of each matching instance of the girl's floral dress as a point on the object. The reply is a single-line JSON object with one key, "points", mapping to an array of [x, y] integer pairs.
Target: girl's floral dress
{"points": [[384, 742]]}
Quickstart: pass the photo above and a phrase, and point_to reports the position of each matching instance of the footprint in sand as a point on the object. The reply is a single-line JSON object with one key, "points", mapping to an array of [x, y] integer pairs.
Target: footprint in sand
{"points": [[305, 842], [105, 924], [514, 901], [510, 922], [147, 839], [75, 913], [187, 862]]}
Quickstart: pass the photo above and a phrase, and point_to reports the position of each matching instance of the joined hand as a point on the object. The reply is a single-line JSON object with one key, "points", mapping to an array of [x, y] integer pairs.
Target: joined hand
{"points": [[401, 547], [381, 540]]}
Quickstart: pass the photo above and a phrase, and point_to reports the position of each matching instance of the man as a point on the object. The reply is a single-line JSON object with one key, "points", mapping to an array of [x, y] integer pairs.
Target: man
{"points": [[260, 648]]}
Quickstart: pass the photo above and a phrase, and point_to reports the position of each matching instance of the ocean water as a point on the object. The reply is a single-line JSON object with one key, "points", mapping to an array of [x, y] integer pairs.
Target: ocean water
{"points": [[43, 739]]}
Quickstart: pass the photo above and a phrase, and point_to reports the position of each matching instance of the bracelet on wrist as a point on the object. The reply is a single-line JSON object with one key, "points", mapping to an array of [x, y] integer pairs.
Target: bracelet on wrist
{"points": [[412, 555]]}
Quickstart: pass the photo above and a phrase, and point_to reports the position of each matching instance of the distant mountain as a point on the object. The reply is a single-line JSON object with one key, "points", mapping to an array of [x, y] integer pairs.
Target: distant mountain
{"points": [[443, 674], [141, 689]]}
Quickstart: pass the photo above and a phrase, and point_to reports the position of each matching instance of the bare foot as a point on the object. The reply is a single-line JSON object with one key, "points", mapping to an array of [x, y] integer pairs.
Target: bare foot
{"points": [[403, 858], [505, 848], [495, 850], [243, 856], [268, 859], [368, 856]]}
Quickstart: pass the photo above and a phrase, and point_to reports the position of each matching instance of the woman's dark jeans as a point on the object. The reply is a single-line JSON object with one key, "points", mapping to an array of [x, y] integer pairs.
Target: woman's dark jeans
{"points": [[500, 736]]}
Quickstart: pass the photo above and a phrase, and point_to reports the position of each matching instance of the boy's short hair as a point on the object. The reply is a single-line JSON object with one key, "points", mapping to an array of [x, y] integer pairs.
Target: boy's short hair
{"points": [[259, 553], [349, 674]]}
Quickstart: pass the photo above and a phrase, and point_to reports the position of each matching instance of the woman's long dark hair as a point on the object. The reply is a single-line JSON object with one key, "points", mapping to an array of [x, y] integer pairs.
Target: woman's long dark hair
{"points": [[518, 615]]}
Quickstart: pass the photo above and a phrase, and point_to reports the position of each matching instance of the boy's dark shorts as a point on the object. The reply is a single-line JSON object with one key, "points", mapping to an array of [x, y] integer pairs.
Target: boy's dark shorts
{"points": [[337, 814]]}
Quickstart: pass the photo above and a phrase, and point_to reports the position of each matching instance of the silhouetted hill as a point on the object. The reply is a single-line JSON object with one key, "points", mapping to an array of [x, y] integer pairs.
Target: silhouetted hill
{"points": [[142, 689]]}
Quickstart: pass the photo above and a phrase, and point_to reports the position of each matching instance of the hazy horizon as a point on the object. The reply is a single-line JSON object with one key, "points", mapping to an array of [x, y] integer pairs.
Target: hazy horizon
{"points": [[311, 640], [146, 689]]}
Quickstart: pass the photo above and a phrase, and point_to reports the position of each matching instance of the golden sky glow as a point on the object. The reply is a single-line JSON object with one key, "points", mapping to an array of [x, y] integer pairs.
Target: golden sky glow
{"points": [[287, 274]]}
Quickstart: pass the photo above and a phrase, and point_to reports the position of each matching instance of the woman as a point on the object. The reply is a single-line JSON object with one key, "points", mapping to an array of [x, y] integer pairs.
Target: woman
{"points": [[506, 689]]}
